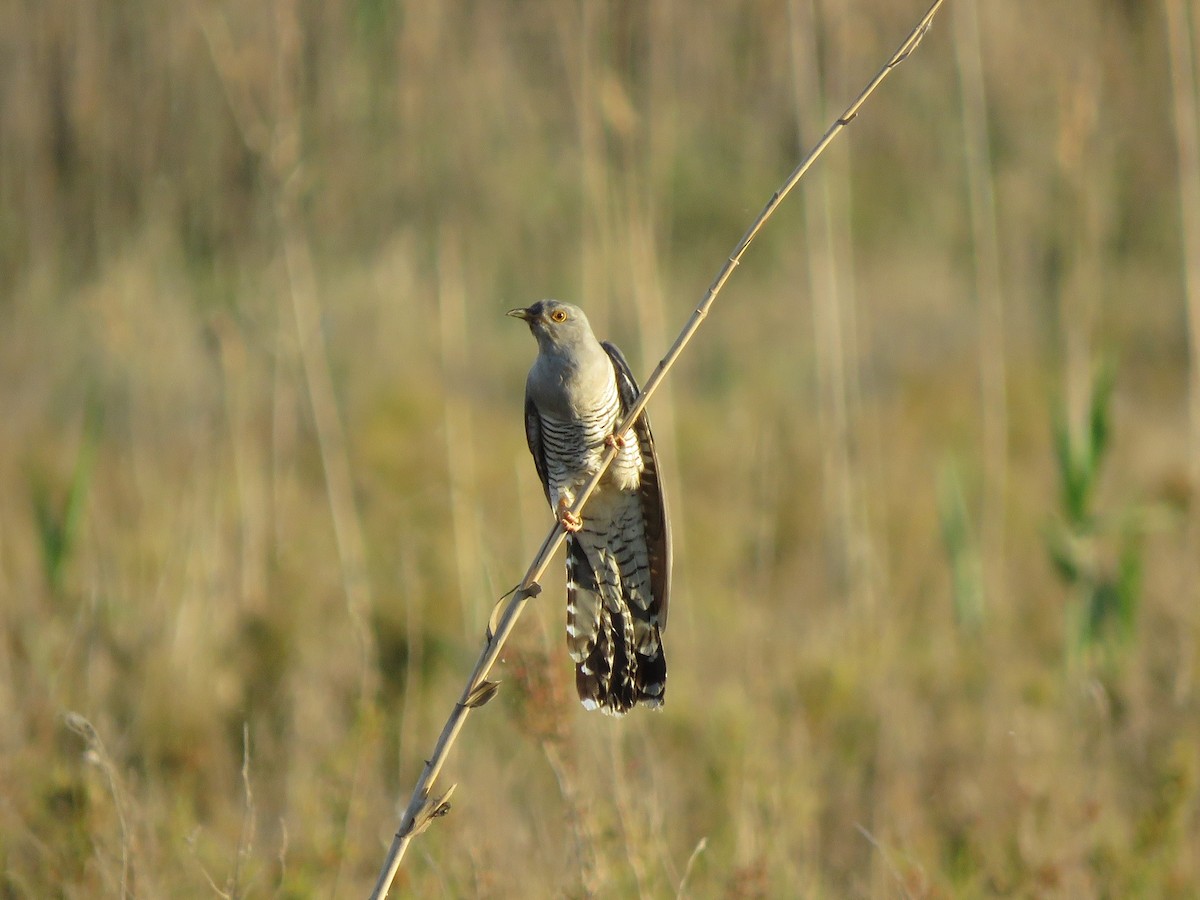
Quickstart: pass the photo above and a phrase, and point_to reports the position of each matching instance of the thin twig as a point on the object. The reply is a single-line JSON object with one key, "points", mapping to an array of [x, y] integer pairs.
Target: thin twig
{"points": [[424, 806]]}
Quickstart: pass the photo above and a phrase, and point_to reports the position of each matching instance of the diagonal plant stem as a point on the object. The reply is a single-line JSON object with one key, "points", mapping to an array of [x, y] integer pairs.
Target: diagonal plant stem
{"points": [[424, 807]]}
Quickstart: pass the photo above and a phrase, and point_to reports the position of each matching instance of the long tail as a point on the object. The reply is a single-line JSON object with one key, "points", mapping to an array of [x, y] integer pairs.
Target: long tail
{"points": [[611, 635]]}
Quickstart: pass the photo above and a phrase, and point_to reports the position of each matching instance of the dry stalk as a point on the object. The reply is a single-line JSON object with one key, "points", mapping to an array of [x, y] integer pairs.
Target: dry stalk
{"points": [[97, 754], [275, 138], [989, 293], [303, 293], [701, 846], [249, 819], [424, 805], [460, 461], [835, 332], [1182, 31]]}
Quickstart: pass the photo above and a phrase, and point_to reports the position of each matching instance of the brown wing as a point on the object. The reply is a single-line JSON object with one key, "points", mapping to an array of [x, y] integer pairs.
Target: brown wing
{"points": [[653, 498]]}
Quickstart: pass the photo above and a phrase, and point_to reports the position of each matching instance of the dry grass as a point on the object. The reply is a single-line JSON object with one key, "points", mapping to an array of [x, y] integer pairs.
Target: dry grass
{"points": [[169, 556]]}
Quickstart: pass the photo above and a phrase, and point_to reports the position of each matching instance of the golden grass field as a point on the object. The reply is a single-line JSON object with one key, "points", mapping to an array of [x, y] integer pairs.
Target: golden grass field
{"points": [[263, 475]]}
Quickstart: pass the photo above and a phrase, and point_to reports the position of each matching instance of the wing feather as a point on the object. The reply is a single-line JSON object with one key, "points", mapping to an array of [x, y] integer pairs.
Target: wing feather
{"points": [[533, 437], [653, 498]]}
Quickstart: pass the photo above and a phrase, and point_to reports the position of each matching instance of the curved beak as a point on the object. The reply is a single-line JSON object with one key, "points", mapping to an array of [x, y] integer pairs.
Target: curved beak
{"points": [[519, 313]]}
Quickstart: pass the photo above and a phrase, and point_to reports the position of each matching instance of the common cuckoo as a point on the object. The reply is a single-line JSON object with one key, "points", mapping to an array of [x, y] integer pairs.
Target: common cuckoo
{"points": [[619, 550]]}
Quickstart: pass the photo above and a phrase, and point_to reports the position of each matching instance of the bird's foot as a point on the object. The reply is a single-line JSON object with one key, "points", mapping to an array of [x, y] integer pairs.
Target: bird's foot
{"points": [[570, 522], [619, 441]]}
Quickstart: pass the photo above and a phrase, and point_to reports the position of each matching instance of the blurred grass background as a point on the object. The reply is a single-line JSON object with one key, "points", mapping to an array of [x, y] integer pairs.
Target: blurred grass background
{"points": [[262, 471]]}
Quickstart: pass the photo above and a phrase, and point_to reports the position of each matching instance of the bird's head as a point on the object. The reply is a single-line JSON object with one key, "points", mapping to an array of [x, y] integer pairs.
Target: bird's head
{"points": [[556, 325]]}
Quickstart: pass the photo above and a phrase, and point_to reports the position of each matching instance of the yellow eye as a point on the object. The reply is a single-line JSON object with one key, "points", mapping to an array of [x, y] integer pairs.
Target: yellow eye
{"points": [[559, 315]]}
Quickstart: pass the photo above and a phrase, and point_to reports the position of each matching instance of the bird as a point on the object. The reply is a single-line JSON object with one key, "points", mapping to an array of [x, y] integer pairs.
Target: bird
{"points": [[619, 550]]}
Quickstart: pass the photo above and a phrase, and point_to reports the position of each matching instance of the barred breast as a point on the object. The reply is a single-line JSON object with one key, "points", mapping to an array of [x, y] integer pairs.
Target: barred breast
{"points": [[573, 447]]}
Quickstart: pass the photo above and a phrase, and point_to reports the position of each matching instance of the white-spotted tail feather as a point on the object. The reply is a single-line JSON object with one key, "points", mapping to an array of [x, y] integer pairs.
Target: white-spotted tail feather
{"points": [[616, 644]]}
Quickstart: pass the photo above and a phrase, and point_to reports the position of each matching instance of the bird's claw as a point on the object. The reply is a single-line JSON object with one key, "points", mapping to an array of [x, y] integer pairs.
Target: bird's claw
{"points": [[619, 441], [570, 522]]}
